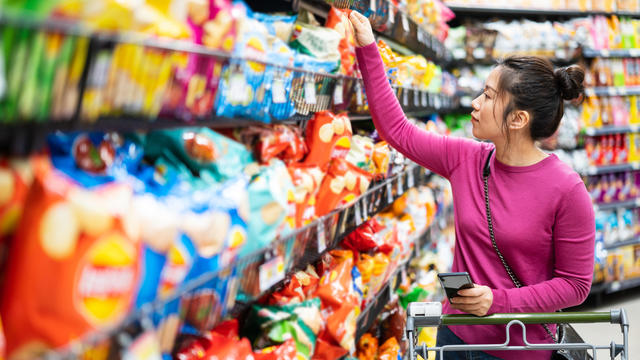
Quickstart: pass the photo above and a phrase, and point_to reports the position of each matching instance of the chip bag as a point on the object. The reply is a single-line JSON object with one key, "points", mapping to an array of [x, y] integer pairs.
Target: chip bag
{"points": [[361, 153], [282, 142], [273, 325], [381, 158], [339, 21], [16, 176], [390, 350], [2, 343], [327, 351], [76, 267], [343, 183], [328, 137], [302, 200], [285, 351], [367, 347]]}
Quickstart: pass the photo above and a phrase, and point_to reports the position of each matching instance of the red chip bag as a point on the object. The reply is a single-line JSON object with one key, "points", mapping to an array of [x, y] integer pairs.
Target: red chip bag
{"points": [[326, 351], [15, 179], [191, 347], [227, 329], [339, 20], [328, 137], [2, 345], [75, 268], [285, 351], [224, 348], [343, 183], [364, 238], [283, 142]]}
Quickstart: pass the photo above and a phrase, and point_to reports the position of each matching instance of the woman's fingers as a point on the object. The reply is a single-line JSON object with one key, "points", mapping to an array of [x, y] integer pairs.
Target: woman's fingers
{"points": [[362, 27]]}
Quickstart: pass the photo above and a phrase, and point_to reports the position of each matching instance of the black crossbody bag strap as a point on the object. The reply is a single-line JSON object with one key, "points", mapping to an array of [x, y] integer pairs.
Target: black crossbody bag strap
{"points": [[486, 171]]}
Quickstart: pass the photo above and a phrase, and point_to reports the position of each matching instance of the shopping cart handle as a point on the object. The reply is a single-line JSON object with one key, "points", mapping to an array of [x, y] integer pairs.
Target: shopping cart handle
{"points": [[613, 317]]}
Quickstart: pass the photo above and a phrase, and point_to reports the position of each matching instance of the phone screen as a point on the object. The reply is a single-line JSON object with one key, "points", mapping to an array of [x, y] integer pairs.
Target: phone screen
{"points": [[452, 282]]}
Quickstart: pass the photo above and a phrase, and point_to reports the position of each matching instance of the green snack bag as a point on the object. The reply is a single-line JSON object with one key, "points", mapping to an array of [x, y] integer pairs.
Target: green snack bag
{"points": [[273, 325]]}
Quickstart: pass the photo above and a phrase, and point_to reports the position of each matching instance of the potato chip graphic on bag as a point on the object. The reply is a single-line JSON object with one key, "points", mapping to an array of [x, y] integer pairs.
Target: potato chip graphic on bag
{"points": [[67, 275], [343, 183], [328, 137]]}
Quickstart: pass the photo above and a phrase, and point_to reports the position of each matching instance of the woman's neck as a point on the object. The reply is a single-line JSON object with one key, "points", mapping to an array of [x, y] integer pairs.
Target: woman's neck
{"points": [[519, 152]]}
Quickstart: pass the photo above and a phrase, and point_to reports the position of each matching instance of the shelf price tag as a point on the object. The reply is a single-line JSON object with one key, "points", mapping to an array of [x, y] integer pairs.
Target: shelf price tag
{"points": [[634, 128], [437, 102], [271, 272], [424, 99], [416, 97], [358, 94], [237, 89], [365, 210], [358, 213], [400, 184], [635, 165], [634, 52], [405, 97], [622, 91], [612, 91], [589, 92], [277, 91], [405, 23], [337, 93], [389, 192], [372, 6], [410, 179], [309, 91], [322, 238], [605, 53]]}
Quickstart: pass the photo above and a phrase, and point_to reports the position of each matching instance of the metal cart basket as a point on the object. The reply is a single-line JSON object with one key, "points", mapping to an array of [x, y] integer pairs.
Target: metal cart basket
{"points": [[429, 314]]}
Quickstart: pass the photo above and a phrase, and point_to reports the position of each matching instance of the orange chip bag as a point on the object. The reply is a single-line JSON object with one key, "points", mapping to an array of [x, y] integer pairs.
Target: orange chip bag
{"points": [[390, 350], [328, 137], [15, 179], [381, 266], [306, 183], [343, 183], [76, 266], [367, 347], [2, 345], [381, 158], [339, 20]]}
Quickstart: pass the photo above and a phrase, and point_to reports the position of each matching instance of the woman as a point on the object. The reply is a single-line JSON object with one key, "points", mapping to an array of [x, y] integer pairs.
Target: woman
{"points": [[542, 215]]}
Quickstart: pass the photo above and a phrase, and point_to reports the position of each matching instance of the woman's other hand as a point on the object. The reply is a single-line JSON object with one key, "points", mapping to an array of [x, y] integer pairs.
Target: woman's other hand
{"points": [[476, 301], [362, 29]]}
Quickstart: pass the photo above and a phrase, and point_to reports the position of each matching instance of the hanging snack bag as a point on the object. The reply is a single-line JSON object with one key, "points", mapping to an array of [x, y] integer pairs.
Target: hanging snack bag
{"points": [[76, 267], [285, 351], [302, 202], [16, 176], [342, 185], [367, 347], [328, 137], [381, 158], [312, 91], [205, 152], [361, 153], [280, 26], [318, 42], [273, 325], [281, 141], [390, 350], [338, 20]]}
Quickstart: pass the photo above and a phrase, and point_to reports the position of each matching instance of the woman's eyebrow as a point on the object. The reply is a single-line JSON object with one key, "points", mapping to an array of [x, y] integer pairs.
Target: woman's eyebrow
{"points": [[490, 88]]}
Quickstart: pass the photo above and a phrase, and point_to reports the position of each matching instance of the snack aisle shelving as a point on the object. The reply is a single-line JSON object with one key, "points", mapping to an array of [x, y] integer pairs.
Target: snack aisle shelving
{"points": [[516, 11], [99, 100]]}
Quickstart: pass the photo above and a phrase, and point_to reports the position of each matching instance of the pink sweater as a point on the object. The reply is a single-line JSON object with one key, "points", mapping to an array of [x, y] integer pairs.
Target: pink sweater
{"points": [[543, 218]]}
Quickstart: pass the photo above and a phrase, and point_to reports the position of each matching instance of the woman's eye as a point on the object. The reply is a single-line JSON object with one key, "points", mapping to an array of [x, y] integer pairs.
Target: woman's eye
{"points": [[486, 95]]}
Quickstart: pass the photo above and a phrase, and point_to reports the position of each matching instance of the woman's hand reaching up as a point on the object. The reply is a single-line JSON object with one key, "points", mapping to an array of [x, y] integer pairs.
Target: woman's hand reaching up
{"points": [[362, 29]]}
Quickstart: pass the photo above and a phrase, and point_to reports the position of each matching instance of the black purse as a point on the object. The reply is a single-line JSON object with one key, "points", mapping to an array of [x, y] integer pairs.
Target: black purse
{"points": [[565, 332]]}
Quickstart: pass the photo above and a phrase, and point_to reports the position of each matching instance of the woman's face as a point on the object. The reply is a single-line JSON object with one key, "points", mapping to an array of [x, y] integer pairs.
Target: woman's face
{"points": [[487, 113]]}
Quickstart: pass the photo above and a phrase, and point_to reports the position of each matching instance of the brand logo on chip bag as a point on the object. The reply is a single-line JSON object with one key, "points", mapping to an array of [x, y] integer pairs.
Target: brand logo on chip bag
{"points": [[106, 279], [175, 270]]}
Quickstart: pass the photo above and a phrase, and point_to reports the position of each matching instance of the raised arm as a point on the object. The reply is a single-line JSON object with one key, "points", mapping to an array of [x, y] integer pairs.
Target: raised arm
{"points": [[441, 154]]}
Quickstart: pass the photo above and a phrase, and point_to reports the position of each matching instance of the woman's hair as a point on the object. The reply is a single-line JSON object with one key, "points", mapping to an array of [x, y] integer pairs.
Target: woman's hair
{"points": [[534, 86]]}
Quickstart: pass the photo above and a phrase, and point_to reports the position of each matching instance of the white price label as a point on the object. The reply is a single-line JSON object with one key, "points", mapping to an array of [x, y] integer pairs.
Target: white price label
{"points": [[389, 192], [405, 23], [322, 238], [359, 100], [634, 52], [635, 165], [605, 53], [400, 184], [405, 97], [358, 213], [392, 15], [589, 92], [410, 179], [612, 91], [622, 91], [634, 128], [365, 208], [424, 99], [592, 170], [638, 202], [271, 272], [310, 91], [237, 89], [459, 53], [437, 103], [479, 53], [372, 6], [277, 91], [416, 98], [337, 94]]}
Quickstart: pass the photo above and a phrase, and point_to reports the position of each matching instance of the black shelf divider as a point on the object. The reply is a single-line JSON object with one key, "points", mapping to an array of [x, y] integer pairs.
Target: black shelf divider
{"points": [[520, 12]]}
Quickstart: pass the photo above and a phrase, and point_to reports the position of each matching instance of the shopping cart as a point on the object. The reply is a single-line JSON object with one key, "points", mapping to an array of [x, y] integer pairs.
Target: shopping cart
{"points": [[429, 314]]}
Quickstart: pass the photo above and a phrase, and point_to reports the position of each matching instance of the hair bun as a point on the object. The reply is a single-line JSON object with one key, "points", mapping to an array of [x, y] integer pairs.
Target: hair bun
{"points": [[569, 81]]}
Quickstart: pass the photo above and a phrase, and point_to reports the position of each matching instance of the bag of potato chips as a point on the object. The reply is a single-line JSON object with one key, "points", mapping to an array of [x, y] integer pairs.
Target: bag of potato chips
{"points": [[75, 268], [328, 137]]}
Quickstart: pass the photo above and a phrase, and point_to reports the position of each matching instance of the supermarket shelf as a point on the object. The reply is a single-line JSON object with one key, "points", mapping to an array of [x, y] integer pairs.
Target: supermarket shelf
{"points": [[613, 91], [607, 169], [622, 285], [607, 130], [613, 53], [520, 12], [619, 244], [629, 204], [296, 250], [395, 24]]}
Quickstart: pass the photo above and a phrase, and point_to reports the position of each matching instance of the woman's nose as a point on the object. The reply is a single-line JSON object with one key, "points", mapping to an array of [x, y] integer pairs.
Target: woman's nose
{"points": [[475, 104]]}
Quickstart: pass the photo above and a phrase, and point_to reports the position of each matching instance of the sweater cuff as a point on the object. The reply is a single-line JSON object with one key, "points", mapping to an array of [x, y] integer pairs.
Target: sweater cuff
{"points": [[500, 302], [369, 51]]}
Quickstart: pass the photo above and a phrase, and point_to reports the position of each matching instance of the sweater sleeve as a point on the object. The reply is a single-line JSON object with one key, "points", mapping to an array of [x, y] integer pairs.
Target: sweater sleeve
{"points": [[441, 154], [574, 246]]}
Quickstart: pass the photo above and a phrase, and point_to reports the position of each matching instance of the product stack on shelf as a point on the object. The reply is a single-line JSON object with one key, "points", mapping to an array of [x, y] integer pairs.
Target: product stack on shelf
{"points": [[196, 179]]}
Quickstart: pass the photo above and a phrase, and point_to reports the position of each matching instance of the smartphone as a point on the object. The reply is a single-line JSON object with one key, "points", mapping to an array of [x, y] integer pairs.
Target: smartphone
{"points": [[452, 282]]}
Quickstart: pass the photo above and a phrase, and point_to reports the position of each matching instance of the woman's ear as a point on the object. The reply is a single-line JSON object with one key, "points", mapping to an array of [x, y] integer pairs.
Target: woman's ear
{"points": [[519, 119]]}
